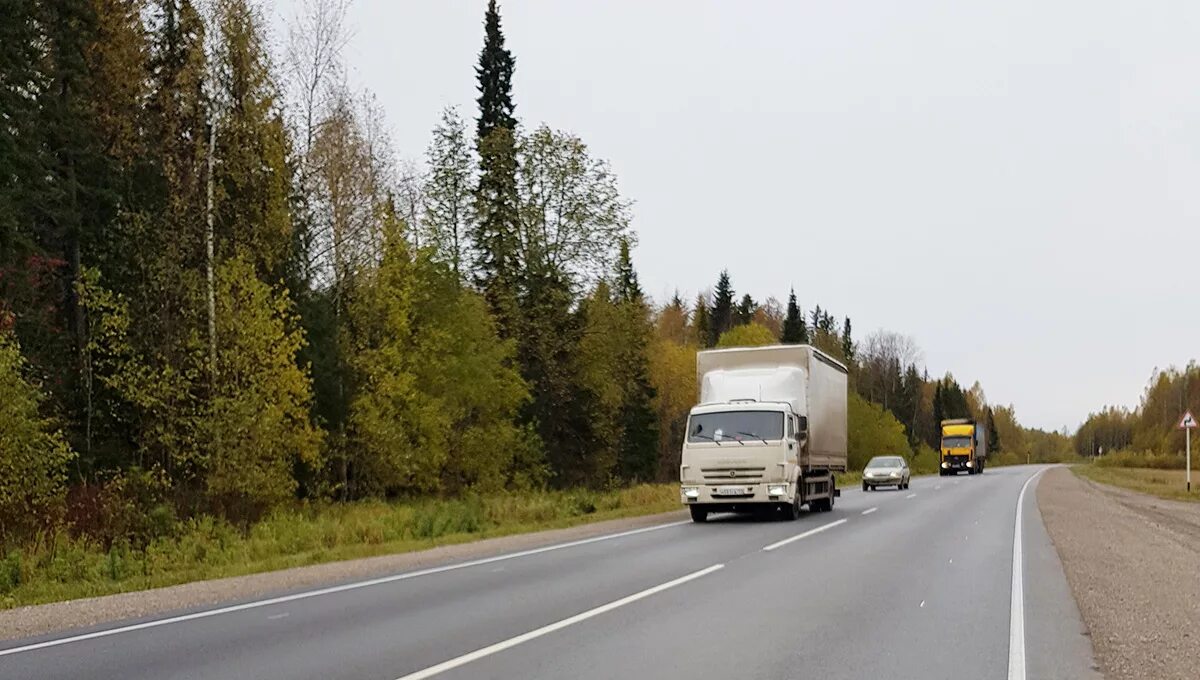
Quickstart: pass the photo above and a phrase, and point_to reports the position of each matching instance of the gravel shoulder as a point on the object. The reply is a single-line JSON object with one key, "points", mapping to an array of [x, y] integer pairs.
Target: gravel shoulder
{"points": [[23, 622], [1131, 562]]}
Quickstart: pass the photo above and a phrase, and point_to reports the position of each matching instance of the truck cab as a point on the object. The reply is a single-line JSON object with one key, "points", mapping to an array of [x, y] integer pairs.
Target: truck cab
{"points": [[963, 447], [740, 453]]}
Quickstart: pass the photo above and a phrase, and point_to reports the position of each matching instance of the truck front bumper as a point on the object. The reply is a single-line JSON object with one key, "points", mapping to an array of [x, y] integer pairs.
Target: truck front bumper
{"points": [[736, 494]]}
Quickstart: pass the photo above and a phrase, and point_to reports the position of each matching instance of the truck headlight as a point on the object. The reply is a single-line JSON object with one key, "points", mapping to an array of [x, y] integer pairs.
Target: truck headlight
{"points": [[970, 463], [945, 464], [776, 490], [691, 492]]}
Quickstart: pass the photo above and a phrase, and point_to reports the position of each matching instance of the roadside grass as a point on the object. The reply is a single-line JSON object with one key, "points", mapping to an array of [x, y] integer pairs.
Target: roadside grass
{"points": [[1140, 459], [1162, 483], [64, 568]]}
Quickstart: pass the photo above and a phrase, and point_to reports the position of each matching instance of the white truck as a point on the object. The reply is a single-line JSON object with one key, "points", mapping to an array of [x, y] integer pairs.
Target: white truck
{"points": [[769, 431]]}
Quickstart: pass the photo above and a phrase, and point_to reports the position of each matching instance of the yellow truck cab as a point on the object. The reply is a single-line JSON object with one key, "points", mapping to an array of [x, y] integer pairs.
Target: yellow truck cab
{"points": [[964, 447]]}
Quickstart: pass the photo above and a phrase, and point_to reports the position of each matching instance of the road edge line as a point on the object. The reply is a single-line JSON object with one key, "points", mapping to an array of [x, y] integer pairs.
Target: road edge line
{"points": [[1016, 612], [797, 537], [552, 627], [255, 604]]}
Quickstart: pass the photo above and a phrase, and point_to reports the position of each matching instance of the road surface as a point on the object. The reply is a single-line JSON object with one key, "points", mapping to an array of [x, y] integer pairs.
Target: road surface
{"points": [[891, 584]]}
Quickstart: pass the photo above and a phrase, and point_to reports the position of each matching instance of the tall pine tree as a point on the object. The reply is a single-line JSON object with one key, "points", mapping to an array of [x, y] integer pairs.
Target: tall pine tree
{"points": [[496, 197], [794, 330], [253, 207], [721, 314], [637, 455], [847, 342]]}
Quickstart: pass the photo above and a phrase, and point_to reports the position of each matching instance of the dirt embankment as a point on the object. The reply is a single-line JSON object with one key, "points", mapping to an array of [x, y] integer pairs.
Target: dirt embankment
{"points": [[1133, 562]]}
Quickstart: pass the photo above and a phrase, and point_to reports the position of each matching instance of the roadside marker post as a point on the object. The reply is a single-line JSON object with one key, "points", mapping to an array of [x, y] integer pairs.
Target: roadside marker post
{"points": [[1187, 425]]}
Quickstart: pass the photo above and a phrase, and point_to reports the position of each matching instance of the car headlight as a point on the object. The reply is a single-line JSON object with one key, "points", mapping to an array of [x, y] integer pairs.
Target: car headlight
{"points": [[691, 492], [896, 473]]}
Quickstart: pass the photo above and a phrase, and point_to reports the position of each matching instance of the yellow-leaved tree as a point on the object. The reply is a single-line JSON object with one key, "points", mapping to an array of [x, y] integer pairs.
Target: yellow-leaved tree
{"points": [[258, 426], [673, 375], [435, 394], [747, 335], [873, 431]]}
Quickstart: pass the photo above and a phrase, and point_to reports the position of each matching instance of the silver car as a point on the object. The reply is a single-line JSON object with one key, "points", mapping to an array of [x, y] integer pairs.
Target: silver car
{"points": [[886, 471]]}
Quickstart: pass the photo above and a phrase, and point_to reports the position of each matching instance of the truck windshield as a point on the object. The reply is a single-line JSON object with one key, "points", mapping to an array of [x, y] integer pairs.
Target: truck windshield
{"points": [[735, 426], [956, 443]]}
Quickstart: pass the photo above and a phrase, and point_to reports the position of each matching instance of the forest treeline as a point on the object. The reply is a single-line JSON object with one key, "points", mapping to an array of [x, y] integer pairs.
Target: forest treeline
{"points": [[1152, 429], [222, 291]]}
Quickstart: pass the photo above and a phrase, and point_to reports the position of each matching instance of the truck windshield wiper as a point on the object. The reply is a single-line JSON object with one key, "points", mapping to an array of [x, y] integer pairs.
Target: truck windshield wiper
{"points": [[704, 436], [756, 436]]}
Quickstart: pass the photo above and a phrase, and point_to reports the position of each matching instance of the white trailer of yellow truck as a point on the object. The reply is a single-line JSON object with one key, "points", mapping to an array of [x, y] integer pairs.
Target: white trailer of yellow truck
{"points": [[769, 431]]}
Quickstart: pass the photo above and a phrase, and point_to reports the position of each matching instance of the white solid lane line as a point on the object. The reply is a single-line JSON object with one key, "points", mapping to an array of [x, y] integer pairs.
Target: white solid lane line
{"points": [[329, 591], [1016, 616], [797, 537], [869, 511], [559, 625]]}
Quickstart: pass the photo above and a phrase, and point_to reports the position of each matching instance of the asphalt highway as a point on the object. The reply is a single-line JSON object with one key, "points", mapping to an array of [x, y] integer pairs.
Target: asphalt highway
{"points": [[917, 583]]}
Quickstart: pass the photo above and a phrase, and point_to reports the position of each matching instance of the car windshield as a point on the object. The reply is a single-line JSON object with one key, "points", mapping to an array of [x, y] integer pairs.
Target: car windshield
{"points": [[956, 443], [889, 462], [736, 426]]}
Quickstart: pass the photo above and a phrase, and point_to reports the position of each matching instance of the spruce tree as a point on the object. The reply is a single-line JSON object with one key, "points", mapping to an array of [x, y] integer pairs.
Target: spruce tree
{"points": [[701, 323], [721, 314], [993, 443], [939, 408], [23, 165], [794, 331], [494, 74], [637, 455], [496, 197], [628, 288], [745, 310], [253, 210], [847, 342]]}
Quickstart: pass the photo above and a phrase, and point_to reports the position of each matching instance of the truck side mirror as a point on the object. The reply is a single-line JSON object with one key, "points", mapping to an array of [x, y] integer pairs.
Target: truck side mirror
{"points": [[803, 423]]}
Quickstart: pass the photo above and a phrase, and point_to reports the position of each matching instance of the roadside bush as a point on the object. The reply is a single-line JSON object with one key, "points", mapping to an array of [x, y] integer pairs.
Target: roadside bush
{"points": [[1007, 458], [1141, 459], [924, 460], [10, 572], [133, 506], [33, 454]]}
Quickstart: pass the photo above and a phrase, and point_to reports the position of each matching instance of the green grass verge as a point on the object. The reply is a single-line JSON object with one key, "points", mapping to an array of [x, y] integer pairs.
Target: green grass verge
{"points": [[1162, 483], [204, 549]]}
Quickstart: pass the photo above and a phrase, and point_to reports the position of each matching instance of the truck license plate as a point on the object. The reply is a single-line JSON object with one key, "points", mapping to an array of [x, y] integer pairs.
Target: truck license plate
{"points": [[730, 491]]}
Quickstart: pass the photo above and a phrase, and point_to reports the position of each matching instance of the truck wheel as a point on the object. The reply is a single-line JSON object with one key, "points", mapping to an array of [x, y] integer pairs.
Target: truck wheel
{"points": [[791, 511], [699, 514]]}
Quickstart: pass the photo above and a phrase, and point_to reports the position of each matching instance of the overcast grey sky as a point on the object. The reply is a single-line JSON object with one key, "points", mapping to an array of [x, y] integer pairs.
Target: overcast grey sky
{"points": [[1015, 183]]}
